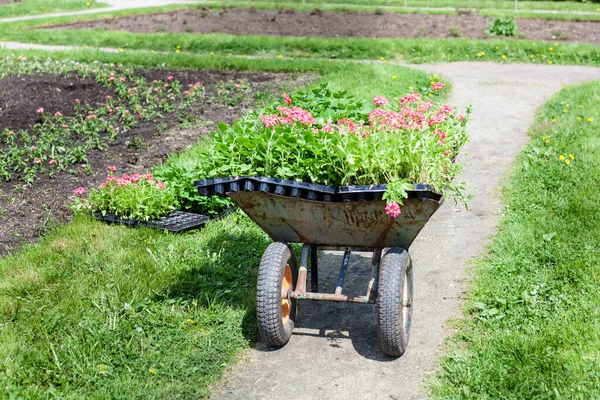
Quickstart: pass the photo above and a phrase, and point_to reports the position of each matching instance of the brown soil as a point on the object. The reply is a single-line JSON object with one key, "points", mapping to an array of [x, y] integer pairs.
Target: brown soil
{"points": [[337, 24], [20, 96], [26, 212]]}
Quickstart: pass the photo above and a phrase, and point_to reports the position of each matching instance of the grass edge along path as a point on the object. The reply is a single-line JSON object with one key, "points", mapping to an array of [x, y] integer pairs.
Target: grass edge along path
{"points": [[411, 50], [531, 320], [95, 311], [35, 7]]}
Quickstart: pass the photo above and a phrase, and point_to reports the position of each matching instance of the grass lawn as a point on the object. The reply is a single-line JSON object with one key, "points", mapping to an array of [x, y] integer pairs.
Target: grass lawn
{"points": [[33, 7], [96, 311], [531, 327]]}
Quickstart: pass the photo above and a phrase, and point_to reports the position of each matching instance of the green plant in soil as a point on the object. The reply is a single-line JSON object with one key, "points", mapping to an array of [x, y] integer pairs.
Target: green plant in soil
{"points": [[60, 141], [232, 92], [503, 26], [530, 329]]}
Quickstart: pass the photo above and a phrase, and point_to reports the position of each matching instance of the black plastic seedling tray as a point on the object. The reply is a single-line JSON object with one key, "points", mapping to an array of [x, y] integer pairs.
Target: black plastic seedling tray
{"points": [[175, 222], [303, 190]]}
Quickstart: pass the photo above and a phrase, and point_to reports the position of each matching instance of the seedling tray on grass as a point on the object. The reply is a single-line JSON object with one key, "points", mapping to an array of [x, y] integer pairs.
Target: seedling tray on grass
{"points": [[303, 190], [175, 222]]}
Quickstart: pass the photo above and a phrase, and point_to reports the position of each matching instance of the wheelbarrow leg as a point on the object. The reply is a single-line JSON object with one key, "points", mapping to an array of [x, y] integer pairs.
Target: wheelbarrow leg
{"points": [[314, 269]]}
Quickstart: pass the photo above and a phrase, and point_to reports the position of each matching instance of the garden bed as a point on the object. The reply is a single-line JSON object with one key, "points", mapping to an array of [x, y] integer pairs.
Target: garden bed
{"points": [[26, 210], [319, 23]]}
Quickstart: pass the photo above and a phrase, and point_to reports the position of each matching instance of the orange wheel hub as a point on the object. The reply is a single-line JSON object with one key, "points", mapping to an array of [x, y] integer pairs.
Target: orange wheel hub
{"points": [[286, 284]]}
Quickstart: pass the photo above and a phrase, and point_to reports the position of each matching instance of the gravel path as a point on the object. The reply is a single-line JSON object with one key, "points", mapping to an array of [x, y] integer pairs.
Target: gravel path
{"points": [[333, 352]]}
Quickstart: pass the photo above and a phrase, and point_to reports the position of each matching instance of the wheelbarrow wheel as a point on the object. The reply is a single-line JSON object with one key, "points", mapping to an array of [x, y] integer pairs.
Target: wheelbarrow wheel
{"points": [[275, 309], [394, 301]]}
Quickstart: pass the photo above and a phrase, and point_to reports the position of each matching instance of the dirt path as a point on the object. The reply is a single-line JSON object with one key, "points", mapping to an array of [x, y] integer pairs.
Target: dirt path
{"points": [[333, 352]]}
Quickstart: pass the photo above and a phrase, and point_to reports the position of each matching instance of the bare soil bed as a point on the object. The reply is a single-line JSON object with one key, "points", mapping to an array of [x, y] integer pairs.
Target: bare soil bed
{"points": [[27, 211], [337, 24]]}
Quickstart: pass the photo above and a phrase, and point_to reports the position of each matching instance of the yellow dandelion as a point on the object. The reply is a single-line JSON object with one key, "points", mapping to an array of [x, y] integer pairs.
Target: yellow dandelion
{"points": [[152, 371], [120, 49], [381, 58], [88, 4], [571, 156], [229, 54], [394, 76], [565, 111], [503, 57], [549, 48], [497, 47], [578, 118], [279, 56], [212, 53], [567, 162], [531, 56], [547, 140], [553, 119], [410, 88], [580, 106], [561, 158], [178, 47], [590, 119], [151, 51], [567, 105], [190, 321], [435, 76], [177, 51], [549, 62]]}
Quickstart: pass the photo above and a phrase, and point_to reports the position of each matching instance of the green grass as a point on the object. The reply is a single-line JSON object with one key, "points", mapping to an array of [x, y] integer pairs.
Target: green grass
{"points": [[97, 312], [410, 50], [462, 4], [33, 7], [531, 328]]}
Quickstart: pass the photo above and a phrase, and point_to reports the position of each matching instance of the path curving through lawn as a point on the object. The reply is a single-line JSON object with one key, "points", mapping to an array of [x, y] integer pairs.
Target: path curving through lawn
{"points": [[333, 352]]}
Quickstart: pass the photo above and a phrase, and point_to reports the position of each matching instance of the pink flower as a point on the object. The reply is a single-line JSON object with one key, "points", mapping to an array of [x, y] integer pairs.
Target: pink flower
{"points": [[161, 185], [287, 98], [52, 162], [349, 124], [170, 78], [37, 161], [104, 184], [446, 152], [461, 117], [437, 86], [135, 178], [393, 209], [441, 134], [446, 109], [270, 120], [111, 169], [111, 178], [39, 110], [411, 97], [58, 114], [10, 133], [380, 101], [424, 106], [122, 182], [32, 148], [79, 191]]}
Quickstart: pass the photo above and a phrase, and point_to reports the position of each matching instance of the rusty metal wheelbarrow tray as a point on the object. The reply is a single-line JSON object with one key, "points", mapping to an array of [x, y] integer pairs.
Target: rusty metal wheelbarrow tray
{"points": [[356, 224]]}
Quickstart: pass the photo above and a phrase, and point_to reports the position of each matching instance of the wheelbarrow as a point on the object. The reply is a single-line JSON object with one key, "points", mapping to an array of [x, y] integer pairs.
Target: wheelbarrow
{"points": [[325, 218]]}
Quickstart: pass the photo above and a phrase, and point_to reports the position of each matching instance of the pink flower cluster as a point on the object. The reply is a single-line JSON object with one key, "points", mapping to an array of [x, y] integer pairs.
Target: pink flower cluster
{"points": [[287, 98], [133, 179], [79, 191], [380, 101], [290, 115], [438, 86], [407, 118], [393, 209], [412, 97]]}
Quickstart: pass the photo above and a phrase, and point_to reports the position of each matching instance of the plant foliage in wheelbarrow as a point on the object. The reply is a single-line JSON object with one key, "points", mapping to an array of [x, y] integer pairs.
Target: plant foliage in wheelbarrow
{"points": [[328, 138]]}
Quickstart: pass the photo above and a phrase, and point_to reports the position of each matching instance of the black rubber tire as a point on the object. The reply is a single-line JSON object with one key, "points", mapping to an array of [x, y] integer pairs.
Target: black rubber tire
{"points": [[268, 294], [395, 286]]}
